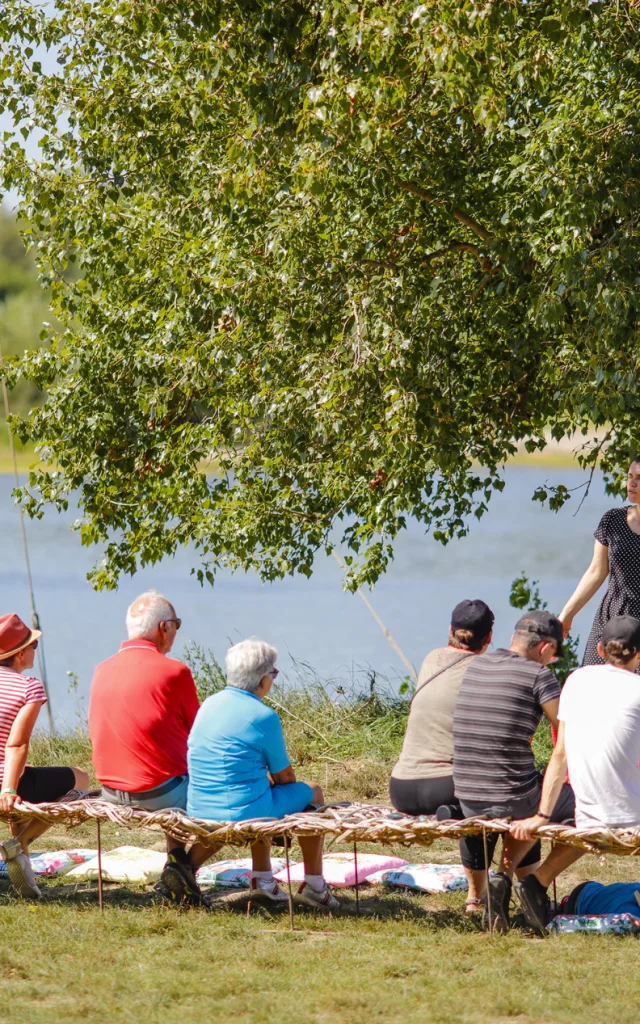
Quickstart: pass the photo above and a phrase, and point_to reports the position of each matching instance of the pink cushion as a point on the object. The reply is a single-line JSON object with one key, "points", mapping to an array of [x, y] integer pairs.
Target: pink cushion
{"points": [[339, 868]]}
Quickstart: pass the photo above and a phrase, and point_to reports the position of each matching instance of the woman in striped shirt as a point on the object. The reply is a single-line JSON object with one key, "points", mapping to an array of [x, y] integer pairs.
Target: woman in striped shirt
{"points": [[21, 698]]}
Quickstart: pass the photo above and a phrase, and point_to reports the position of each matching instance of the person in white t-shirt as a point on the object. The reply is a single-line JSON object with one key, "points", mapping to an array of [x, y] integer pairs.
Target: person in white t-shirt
{"points": [[599, 744]]}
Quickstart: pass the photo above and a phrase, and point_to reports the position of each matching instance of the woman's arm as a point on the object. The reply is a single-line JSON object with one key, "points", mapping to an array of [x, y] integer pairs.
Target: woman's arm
{"points": [[592, 580], [284, 777], [16, 750]]}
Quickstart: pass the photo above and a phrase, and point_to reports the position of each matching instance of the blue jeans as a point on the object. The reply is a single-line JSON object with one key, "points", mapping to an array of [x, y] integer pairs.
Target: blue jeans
{"points": [[172, 793]]}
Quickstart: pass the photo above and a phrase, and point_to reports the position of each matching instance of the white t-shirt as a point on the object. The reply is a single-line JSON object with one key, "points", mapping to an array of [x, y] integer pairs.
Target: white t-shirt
{"points": [[600, 708]]}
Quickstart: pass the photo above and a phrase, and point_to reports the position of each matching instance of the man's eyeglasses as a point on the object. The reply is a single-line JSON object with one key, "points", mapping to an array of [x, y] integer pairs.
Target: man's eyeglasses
{"points": [[34, 645], [178, 623]]}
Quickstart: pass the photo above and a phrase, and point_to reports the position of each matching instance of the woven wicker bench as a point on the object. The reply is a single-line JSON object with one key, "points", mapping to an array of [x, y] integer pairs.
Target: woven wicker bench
{"points": [[345, 823]]}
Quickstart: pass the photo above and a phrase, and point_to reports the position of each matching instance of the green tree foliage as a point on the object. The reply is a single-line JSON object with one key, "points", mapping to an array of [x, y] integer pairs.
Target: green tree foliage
{"points": [[351, 251]]}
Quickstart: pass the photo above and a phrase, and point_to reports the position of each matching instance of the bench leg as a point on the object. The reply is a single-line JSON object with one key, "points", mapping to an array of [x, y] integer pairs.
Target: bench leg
{"points": [[100, 899], [286, 853], [486, 868]]}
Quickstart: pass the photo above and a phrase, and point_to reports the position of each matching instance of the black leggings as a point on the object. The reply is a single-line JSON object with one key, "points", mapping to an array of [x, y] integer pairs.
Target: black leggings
{"points": [[421, 796]]}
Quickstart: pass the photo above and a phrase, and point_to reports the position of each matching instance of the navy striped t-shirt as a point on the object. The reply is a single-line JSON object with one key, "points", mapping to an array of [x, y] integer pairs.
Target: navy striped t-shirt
{"points": [[497, 712]]}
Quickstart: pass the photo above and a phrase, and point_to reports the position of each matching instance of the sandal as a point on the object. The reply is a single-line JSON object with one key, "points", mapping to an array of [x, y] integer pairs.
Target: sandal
{"points": [[474, 906]]}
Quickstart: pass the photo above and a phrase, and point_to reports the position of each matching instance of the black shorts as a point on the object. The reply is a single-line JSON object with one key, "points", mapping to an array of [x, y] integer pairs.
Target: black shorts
{"points": [[45, 785]]}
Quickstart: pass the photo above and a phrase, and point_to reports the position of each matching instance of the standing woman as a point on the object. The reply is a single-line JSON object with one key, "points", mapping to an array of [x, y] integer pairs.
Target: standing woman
{"points": [[616, 555]]}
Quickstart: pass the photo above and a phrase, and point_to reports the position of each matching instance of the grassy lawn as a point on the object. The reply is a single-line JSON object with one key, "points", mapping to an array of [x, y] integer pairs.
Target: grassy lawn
{"points": [[409, 958], [406, 958]]}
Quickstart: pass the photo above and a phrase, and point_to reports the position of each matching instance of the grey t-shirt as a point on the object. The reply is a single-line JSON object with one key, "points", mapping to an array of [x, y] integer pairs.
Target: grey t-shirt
{"points": [[498, 710], [427, 751]]}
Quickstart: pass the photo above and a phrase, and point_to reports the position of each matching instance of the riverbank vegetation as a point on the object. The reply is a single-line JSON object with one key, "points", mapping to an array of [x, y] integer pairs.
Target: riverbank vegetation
{"points": [[24, 306], [347, 739], [343, 734]]}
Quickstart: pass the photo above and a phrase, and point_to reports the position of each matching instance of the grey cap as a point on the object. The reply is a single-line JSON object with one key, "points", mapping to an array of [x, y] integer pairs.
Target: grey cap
{"points": [[544, 624]]}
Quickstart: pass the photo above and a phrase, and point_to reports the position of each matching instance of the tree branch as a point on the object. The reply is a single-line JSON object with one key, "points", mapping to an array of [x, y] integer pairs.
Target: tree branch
{"points": [[459, 215], [484, 261], [379, 264]]}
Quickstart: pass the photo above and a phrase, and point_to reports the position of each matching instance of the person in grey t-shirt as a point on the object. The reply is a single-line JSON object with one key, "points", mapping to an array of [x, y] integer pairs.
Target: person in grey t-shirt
{"points": [[422, 779], [502, 699]]}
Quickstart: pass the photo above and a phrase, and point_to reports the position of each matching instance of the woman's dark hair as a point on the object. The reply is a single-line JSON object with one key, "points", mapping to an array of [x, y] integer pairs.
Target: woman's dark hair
{"points": [[466, 640], [634, 458], [8, 662], [614, 653]]}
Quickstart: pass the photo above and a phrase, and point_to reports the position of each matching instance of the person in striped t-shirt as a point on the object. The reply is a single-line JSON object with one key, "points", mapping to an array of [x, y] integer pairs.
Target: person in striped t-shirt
{"points": [[502, 699], [21, 698]]}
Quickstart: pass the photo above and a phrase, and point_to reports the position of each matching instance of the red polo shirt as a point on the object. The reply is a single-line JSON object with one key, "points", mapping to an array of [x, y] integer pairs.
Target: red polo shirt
{"points": [[141, 710]]}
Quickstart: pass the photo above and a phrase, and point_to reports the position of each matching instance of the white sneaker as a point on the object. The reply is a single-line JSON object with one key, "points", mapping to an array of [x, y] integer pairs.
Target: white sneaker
{"points": [[19, 868], [268, 889], [323, 900]]}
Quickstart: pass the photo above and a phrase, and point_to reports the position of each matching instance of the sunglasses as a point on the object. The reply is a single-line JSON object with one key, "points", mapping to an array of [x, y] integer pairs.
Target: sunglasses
{"points": [[274, 673], [178, 623], [34, 645]]}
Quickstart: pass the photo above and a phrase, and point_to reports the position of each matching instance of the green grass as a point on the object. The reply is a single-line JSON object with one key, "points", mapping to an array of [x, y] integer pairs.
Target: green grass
{"points": [[408, 957]]}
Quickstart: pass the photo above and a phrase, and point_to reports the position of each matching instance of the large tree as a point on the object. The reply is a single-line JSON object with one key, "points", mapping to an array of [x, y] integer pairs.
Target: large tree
{"points": [[346, 252]]}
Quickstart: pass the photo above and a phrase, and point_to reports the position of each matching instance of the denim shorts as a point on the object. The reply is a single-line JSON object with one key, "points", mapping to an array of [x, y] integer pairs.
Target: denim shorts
{"points": [[290, 799], [172, 793]]}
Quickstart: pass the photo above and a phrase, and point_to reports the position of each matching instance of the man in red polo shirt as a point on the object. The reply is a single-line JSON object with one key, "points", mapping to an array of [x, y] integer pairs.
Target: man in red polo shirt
{"points": [[141, 710]]}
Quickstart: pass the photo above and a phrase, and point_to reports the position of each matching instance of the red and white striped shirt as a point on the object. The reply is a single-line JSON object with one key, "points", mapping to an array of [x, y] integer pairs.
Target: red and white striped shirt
{"points": [[16, 690]]}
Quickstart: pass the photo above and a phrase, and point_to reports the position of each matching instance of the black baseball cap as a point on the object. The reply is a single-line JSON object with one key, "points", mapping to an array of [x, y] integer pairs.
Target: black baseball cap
{"points": [[473, 615], [624, 628], [544, 624]]}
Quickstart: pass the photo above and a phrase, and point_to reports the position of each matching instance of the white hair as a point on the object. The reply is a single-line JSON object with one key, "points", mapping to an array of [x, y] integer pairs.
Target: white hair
{"points": [[146, 613], [248, 661]]}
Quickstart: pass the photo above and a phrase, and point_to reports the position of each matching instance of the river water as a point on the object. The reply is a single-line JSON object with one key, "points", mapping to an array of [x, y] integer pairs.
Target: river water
{"points": [[312, 621]]}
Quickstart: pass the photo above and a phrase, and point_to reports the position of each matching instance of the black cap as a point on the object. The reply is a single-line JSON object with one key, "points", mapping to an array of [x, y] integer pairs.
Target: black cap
{"points": [[473, 615], [544, 624], [626, 629]]}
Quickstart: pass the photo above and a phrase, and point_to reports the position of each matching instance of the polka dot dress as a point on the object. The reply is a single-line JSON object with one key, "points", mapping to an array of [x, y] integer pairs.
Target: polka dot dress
{"points": [[623, 593]]}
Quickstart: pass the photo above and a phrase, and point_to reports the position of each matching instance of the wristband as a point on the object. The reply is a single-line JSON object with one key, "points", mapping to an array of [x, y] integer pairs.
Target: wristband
{"points": [[13, 792], [542, 815]]}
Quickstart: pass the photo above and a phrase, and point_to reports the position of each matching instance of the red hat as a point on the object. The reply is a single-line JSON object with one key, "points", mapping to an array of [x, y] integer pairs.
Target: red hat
{"points": [[14, 635]]}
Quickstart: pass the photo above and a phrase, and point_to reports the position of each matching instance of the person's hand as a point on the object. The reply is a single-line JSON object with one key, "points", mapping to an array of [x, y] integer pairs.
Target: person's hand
{"points": [[8, 801], [566, 627], [523, 829]]}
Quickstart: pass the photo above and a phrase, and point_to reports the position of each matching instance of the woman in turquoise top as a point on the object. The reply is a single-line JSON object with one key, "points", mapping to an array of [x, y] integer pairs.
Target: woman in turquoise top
{"points": [[239, 768]]}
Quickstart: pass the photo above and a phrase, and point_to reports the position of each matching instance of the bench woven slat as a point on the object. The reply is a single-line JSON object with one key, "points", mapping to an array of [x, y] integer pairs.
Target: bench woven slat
{"points": [[354, 823]]}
